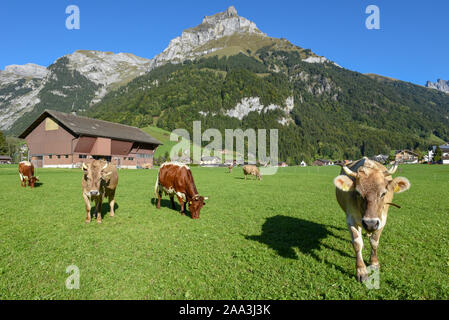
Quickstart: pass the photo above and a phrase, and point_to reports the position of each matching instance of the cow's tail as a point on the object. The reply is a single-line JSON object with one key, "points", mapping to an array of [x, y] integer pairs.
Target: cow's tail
{"points": [[156, 189]]}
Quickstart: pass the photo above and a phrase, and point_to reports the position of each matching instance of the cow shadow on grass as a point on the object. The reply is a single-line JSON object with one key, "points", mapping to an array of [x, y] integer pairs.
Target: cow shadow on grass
{"points": [[166, 203], [105, 209], [283, 234]]}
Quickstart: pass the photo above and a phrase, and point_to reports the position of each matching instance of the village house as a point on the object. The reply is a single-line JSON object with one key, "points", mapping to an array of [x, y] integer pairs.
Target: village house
{"points": [[5, 159], [323, 162], [406, 156], [62, 140]]}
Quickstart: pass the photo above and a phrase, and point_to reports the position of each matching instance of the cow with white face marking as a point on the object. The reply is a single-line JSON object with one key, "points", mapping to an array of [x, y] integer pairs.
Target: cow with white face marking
{"points": [[175, 178], [365, 191], [100, 180]]}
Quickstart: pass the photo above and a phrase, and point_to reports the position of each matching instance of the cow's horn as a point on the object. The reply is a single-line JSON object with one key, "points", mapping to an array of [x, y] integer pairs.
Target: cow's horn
{"points": [[349, 172], [105, 166], [393, 169], [85, 166], [206, 198]]}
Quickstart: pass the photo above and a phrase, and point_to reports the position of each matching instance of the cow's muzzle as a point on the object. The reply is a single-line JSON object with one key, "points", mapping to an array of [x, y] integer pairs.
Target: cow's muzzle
{"points": [[370, 224], [93, 193]]}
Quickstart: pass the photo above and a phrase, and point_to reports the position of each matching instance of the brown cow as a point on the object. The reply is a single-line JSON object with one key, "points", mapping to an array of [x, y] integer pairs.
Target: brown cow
{"points": [[251, 170], [365, 191], [26, 174], [176, 178], [100, 180]]}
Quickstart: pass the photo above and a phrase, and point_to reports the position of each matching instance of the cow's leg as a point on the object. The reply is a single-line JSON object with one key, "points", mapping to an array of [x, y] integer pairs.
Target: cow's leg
{"points": [[159, 194], [172, 201], [111, 200], [87, 202], [374, 241], [182, 203], [357, 242], [98, 204]]}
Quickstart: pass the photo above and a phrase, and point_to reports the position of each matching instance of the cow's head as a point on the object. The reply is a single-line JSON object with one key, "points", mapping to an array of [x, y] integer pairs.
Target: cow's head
{"points": [[94, 176], [373, 189], [32, 181], [195, 205]]}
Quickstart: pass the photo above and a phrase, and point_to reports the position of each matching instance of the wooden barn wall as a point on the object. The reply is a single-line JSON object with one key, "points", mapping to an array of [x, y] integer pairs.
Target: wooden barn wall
{"points": [[120, 147], [84, 144], [54, 141]]}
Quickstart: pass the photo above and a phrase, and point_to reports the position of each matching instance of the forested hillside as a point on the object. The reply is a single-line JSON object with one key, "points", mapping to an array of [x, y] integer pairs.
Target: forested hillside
{"points": [[337, 113]]}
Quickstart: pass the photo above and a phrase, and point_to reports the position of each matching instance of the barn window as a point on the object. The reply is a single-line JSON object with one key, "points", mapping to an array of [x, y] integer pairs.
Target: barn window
{"points": [[66, 156], [59, 157], [131, 158], [50, 156], [82, 156], [50, 125]]}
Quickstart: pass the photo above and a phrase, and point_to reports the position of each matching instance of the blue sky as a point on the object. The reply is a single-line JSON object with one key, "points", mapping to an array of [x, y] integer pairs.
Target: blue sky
{"points": [[412, 43]]}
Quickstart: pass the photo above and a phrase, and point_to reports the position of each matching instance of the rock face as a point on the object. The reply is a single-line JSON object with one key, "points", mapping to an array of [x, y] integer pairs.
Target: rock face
{"points": [[212, 28], [21, 86], [250, 104], [441, 85], [28, 70]]}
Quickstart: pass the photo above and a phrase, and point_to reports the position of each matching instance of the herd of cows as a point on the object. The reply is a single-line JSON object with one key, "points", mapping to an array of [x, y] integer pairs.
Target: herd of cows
{"points": [[364, 191]]}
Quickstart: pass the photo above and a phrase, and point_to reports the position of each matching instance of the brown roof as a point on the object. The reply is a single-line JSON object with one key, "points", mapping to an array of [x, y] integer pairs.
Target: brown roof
{"points": [[83, 126], [5, 157]]}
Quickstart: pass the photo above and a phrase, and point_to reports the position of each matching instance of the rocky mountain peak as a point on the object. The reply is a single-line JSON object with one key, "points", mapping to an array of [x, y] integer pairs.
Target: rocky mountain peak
{"points": [[211, 28], [441, 85], [27, 70]]}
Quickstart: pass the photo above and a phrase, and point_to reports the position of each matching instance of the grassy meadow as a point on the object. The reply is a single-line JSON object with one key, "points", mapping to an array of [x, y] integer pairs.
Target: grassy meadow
{"points": [[280, 238]]}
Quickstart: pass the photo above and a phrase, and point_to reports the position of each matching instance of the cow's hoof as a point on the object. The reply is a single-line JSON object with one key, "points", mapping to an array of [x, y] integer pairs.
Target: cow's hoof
{"points": [[98, 221], [87, 221], [362, 275], [112, 215]]}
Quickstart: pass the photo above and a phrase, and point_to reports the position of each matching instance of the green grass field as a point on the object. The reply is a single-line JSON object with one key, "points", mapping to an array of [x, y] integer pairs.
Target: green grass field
{"points": [[280, 238]]}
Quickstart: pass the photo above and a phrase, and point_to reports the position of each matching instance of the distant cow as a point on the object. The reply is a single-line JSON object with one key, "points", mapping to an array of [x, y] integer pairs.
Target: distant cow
{"points": [[251, 170], [230, 168], [100, 180], [365, 191], [176, 178], [26, 174]]}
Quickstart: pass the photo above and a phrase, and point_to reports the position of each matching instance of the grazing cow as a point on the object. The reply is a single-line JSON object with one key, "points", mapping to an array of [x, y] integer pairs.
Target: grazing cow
{"points": [[365, 191], [26, 174], [251, 170], [230, 168], [176, 178], [100, 180]]}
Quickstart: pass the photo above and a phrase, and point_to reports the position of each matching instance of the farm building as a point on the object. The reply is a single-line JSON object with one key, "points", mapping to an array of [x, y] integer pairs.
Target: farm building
{"points": [[5, 159], [62, 140]]}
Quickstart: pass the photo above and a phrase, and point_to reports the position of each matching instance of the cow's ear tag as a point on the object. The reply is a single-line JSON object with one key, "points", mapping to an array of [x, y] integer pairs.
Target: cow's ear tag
{"points": [[397, 188], [345, 187], [190, 202]]}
